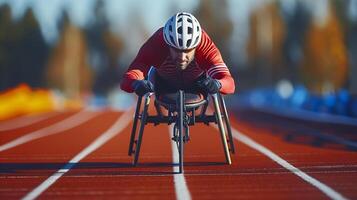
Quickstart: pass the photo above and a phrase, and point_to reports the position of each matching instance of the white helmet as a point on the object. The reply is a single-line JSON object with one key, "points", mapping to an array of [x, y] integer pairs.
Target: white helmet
{"points": [[182, 31]]}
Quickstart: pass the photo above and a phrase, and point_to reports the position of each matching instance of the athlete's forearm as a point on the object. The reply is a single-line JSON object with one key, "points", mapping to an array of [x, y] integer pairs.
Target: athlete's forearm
{"points": [[228, 85]]}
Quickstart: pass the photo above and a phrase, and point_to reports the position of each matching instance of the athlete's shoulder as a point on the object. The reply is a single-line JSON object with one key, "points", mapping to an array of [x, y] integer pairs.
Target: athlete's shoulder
{"points": [[207, 53], [206, 42], [205, 37], [158, 34], [156, 40]]}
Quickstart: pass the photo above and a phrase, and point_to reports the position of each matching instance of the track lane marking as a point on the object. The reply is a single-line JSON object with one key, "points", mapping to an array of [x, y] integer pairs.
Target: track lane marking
{"points": [[328, 191], [24, 121], [192, 173], [114, 130], [181, 189], [66, 124]]}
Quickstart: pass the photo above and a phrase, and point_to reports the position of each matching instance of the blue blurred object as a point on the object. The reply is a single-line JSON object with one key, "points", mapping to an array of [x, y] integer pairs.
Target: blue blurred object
{"points": [[98, 101], [340, 103], [313, 103], [329, 101], [343, 101], [353, 107], [299, 97]]}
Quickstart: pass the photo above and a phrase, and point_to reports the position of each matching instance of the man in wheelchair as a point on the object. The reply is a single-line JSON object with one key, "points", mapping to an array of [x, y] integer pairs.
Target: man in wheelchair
{"points": [[185, 59]]}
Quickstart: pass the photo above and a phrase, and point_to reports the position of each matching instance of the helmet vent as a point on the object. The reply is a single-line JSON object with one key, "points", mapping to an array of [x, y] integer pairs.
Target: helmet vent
{"points": [[183, 14], [189, 30], [196, 40], [179, 30], [188, 42], [172, 40], [180, 42]]}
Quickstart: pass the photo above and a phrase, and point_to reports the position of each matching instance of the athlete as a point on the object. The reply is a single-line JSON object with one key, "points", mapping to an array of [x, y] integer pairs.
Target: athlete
{"points": [[184, 57]]}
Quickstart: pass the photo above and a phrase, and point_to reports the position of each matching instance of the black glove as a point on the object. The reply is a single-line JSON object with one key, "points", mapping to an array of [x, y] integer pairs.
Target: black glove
{"points": [[142, 87], [209, 85]]}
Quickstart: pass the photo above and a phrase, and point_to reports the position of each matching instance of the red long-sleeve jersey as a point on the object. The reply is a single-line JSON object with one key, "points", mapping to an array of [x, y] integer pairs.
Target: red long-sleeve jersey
{"points": [[155, 52]]}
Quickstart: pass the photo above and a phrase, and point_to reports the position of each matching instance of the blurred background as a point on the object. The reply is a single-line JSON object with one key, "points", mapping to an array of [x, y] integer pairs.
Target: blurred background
{"points": [[296, 54]]}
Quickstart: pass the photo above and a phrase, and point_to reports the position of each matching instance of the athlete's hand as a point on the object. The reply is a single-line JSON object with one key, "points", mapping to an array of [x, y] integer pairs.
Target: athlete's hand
{"points": [[142, 87], [209, 85]]}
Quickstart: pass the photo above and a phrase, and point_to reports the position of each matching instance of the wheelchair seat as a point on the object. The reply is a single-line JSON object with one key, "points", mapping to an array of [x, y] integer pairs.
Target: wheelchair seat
{"points": [[192, 100]]}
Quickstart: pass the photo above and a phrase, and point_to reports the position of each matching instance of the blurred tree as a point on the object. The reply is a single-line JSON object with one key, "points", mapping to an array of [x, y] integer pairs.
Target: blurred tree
{"points": [[265, 43], [296, 23], [214, 18], [340, 8], [104, 50], [68, 67], [348, 23], [23, 51], [325, 61], [351, 32], [5, 41]]}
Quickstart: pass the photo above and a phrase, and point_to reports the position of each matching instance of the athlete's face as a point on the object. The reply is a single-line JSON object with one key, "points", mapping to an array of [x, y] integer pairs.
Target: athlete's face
{"points": [[182, 58]]}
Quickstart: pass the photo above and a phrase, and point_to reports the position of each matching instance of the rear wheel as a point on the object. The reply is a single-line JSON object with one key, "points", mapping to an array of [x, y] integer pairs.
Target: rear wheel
{"points": [[227, 123], [143, 116], [135, 125], [221, 128]]}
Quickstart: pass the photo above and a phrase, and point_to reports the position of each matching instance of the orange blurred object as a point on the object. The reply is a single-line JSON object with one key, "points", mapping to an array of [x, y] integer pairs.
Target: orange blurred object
{"points": [[24, 100]]}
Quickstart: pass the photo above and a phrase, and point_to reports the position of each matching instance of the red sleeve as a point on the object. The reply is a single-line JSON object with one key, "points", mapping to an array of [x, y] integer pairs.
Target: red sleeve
{"points": [[152, 53], [210, 59]]}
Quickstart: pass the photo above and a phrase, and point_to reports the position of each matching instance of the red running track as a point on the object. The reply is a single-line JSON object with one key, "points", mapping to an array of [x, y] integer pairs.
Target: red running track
{"points": [[101, 167]]}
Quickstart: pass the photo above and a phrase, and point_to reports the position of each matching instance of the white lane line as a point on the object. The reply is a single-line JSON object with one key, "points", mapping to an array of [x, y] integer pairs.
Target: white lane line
{"points": [[181, 189], [24, 121], [114, 130], [319, 185], [61, 126]]}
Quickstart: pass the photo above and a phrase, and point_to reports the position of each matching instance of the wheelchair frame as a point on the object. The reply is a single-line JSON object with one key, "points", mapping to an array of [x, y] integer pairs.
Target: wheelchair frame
{"points": [[178, 114]]}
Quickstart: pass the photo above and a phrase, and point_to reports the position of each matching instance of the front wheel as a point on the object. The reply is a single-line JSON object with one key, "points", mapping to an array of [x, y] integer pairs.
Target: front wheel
{"points": [[180, 128]]}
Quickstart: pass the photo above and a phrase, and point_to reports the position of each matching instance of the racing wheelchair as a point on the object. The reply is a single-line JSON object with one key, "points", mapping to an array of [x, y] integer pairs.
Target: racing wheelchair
{"points": [[183, 110]]}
